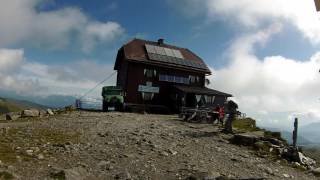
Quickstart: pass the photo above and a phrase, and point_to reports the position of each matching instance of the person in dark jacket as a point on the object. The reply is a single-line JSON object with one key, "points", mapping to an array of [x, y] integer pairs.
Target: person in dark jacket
{"points": [[232, 111]]}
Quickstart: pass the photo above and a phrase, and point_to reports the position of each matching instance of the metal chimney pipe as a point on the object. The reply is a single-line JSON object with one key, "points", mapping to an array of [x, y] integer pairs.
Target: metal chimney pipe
{"points": [[160, 41]]}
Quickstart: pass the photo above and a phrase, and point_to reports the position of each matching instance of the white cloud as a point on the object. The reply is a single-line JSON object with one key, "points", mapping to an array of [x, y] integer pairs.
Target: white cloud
{"points": [[70, 79], [100, 32], [23, 76], [21, 22], [271, 85], [254, 14], [10, 63], [9, 59]]}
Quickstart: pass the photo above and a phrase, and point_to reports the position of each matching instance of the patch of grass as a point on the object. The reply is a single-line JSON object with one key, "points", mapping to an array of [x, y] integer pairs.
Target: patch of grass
{"points": [[245, 124], [7, 154], [276, 135], [55, 136], [270, 134], [249, 125], [26, 138], [4, 175]]}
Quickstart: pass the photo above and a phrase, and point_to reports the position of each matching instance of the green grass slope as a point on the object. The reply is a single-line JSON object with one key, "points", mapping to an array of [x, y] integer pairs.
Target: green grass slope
{"points": [[12, 105], [6, 106]]}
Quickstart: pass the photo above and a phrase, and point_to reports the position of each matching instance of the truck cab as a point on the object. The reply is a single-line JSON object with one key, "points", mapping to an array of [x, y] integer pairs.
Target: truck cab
{"points": [[113, 98]]}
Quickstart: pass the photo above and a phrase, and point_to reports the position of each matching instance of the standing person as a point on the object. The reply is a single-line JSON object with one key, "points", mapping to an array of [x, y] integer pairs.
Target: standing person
{"points": [[215, 114], [221, 114], [232, 110]]}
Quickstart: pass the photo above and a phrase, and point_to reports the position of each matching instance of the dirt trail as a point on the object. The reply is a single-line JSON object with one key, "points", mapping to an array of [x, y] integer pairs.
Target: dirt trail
{"points": [[93, 145]]}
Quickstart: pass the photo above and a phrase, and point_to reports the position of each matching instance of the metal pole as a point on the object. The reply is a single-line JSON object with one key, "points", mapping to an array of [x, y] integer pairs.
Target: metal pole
{"points": [[295, 133]]}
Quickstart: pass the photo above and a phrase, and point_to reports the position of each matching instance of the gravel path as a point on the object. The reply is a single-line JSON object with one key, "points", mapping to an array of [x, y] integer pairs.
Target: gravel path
{"points": [[93, 145]]}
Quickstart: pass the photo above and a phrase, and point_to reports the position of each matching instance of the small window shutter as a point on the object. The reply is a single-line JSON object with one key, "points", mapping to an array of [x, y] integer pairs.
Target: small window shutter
{"points": [[198, 97], [206, 97]]}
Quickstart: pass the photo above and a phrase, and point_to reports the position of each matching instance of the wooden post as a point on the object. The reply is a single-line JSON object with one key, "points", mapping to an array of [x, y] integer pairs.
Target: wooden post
{"points": [[317, 3], [295, 133]]}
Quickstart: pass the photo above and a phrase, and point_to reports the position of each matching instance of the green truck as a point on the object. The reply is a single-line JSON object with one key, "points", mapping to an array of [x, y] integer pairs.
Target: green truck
{"points": [[113, 98]]}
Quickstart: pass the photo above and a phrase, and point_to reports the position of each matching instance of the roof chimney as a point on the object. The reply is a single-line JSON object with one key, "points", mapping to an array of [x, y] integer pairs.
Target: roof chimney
{"points": [[160, 41]]}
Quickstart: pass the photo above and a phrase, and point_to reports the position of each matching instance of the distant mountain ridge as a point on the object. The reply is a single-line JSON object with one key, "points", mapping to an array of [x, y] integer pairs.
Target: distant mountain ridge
{"points": [[311, 132], [54, 101], [13, 105], [308, 135]]}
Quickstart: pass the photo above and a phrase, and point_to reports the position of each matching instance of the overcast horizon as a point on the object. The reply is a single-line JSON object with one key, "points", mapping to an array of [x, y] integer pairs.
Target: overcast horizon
{"points": [[264, 52]]}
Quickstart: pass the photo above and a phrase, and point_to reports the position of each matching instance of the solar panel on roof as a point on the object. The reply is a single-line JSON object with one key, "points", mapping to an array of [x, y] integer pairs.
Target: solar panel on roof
{"points": [[169, 52], [160, 50], [177, 53], [173, 56], [170, 60], [150, 49], [164, 59], [163, 51], [177, 61], [182, 62], [152, 56]]}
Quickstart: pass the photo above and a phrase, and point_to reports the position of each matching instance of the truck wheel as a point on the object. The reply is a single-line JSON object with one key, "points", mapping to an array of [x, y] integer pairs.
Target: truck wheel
{"points": [[104, 107], [119, 107]]}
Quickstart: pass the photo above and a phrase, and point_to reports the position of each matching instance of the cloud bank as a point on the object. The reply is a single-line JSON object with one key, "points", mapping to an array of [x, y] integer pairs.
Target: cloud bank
{"points": [[10, 61], [23, 23], [20, 21], [255, 14], [273, 89], [273, 85], [30, 77]]}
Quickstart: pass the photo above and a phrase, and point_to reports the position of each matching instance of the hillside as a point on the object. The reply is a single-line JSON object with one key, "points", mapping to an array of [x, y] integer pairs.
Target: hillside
{"points": [[93, 145], [54, 101], [13, 105]]}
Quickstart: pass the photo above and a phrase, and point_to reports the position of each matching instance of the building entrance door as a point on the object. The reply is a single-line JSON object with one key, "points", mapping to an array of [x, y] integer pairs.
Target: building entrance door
{"points": [[191, 100]]}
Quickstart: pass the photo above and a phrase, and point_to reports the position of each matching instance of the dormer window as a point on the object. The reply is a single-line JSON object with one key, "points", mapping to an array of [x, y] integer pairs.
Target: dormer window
{"points": [[149, 73]]}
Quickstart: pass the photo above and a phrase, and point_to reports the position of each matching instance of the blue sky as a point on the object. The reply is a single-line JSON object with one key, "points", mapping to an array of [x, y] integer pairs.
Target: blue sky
{"points": [[266, 52], [154, 19], [142, 19]]}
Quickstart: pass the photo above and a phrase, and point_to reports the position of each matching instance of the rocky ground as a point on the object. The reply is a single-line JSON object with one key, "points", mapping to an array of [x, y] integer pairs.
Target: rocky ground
{"points": [[95, 145]]}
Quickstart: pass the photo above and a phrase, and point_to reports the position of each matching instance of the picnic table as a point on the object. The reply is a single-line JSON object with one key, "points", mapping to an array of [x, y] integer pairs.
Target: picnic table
{"points": [[200, 114]]}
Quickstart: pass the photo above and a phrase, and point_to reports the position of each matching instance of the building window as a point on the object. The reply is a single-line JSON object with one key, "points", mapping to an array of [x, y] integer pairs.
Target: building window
{"points": [[210, 99], [162, 77], [174, 79], [146, 96], [150, 73], [171, 78], [178, 79], [192, 79]]}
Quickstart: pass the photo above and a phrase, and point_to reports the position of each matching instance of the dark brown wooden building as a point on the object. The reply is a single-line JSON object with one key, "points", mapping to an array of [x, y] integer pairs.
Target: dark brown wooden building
{"points": [[160, 75]]}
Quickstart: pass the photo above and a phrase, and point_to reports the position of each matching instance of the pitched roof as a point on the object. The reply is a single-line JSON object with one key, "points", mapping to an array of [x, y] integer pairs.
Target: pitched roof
{"points": [[135, 50], [201, 90]]}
